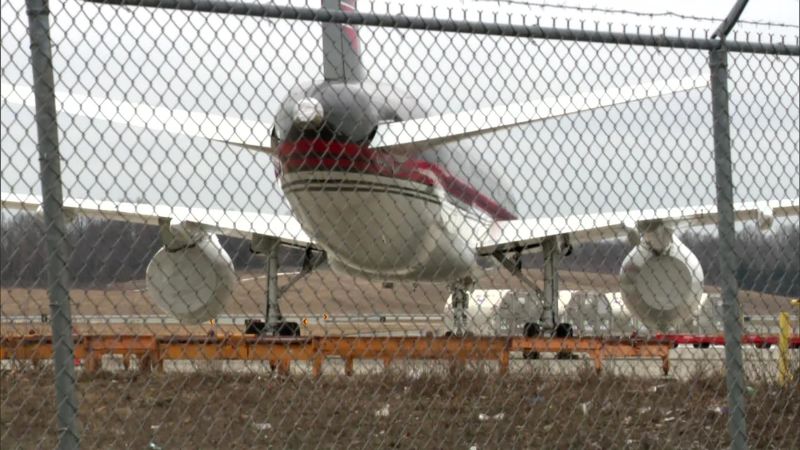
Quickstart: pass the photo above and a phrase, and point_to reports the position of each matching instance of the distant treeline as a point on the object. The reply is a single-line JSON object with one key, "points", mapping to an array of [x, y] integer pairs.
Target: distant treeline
{"points": [[101, 251], [105, 251]]}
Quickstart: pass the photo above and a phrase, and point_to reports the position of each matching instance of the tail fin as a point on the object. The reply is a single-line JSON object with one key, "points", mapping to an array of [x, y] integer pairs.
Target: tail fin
{"points": [[341, 49]]}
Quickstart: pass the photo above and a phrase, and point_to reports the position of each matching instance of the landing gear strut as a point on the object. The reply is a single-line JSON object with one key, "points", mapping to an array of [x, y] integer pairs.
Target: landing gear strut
{"points": [[552, 249], [460, 294], [274, 323], [552, 256]]}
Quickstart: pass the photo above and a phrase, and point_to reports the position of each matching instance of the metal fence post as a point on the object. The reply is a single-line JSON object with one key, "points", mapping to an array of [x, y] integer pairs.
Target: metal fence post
{"points": [[52, 204], [718, 61]]}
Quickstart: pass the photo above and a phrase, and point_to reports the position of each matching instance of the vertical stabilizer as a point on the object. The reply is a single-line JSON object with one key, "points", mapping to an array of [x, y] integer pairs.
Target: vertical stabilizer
{"points": [[341, 49]]}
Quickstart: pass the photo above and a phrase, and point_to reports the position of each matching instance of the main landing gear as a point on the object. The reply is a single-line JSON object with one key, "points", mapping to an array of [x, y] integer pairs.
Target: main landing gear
{"points": [[459, 292], [274, 323], [552, 249]]}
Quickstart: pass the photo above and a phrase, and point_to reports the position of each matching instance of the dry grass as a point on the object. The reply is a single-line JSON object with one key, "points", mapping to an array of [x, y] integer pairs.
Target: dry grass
{"points": [[225, 410]]}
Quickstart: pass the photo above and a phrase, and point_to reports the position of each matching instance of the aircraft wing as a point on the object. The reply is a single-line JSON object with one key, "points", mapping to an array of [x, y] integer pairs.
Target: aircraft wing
{"points": [[398, 137], [454, 126], [525, 234], [251, 134], [240, 224]]}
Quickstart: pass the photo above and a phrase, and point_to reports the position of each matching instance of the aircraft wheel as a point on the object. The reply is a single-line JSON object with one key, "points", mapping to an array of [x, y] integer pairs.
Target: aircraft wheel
{"points": [[531, 329], [290, 329], [764, 346], [705, 345], [452, 334], [254, 326], [531, 355], [564, 330]]}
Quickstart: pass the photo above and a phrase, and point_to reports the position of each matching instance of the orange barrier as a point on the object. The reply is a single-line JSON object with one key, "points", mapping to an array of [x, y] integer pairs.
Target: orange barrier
{"points": [[599, 348], [151, 351]]}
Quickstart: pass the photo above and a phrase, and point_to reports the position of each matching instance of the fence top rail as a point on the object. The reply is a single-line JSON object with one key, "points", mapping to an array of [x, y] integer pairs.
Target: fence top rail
{"points": [[460, 26]]}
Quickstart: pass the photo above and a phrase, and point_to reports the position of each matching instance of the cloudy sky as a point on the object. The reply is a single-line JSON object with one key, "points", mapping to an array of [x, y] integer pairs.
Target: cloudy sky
{"points": [[640, 155]]}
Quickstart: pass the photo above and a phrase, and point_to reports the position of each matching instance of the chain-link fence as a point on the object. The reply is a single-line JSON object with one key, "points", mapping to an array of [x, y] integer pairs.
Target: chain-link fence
{"points": [[392, 227]]}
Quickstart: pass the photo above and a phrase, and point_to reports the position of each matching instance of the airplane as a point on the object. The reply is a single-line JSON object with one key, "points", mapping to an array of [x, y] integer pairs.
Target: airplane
{"points": [[382, 187]]}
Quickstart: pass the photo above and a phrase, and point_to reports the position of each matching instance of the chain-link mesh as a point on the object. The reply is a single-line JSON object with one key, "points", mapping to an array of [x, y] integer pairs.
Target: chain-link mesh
{"points": [[502, 241]]}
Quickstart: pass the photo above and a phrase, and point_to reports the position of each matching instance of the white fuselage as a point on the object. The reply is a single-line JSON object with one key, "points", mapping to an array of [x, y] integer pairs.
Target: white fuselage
{"points": [[387, 228]]}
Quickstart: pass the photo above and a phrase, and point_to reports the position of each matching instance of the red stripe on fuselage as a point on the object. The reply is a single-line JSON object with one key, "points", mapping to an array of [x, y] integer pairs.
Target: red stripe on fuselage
{"points": [[318, 155]]}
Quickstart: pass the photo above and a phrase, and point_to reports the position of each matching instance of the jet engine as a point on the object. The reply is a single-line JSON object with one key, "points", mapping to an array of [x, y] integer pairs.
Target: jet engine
{"points": [[191, 277], [661, 279]]}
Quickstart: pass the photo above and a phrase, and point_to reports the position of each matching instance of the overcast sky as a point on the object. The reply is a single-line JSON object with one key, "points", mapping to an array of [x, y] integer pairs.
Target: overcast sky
{"points": [[647, 154], [776, 11]]}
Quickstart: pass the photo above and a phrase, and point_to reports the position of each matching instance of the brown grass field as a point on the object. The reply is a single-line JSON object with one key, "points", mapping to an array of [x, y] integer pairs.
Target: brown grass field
{"points": [[215, 410]]}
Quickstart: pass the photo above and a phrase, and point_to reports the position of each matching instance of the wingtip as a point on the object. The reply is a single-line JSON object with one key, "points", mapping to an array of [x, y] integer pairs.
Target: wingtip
{"points": [[11, 200]]}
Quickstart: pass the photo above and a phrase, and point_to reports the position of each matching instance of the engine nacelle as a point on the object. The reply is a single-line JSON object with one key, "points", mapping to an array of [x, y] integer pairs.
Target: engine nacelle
{"points": [[191, 280], [662, 283]]}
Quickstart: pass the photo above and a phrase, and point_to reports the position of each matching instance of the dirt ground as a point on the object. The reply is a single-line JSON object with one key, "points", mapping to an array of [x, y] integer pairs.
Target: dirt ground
{"points": [[211, 410]]}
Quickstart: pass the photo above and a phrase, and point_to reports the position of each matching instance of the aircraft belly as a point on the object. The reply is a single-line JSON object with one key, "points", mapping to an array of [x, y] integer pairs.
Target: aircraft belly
{"points": [[380, 227]]}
